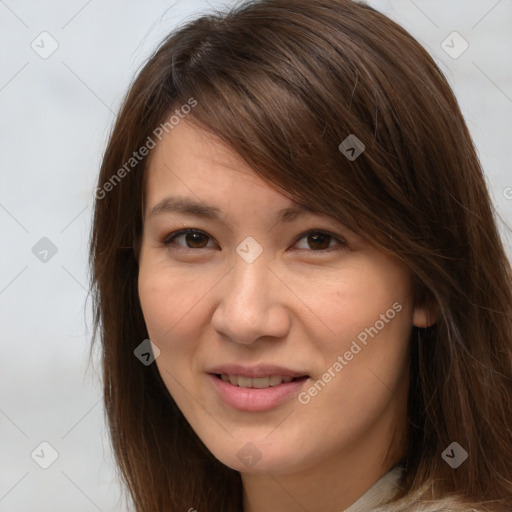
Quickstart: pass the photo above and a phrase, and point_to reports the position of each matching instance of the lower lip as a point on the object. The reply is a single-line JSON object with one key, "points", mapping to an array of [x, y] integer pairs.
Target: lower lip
{"points": [[253, 399]]}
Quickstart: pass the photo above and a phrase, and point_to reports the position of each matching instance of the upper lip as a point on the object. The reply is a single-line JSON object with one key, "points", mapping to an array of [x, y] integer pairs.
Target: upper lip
{"points": [[261, 370]]}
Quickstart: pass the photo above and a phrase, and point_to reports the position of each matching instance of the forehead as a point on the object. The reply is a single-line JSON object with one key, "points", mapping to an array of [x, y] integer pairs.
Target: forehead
{"points": [[188, 142], [190, 161]]}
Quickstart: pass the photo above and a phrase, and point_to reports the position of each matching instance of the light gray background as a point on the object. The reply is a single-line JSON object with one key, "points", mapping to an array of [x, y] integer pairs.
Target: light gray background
{"points": [[55, 116]]}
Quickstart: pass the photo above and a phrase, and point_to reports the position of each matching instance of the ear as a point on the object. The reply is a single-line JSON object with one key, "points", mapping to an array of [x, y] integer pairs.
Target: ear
{"points": [[426, 315]]}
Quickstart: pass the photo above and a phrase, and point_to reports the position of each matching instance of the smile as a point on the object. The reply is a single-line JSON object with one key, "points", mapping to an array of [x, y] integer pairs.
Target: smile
{"points": [[256, 394], [256, 382]]}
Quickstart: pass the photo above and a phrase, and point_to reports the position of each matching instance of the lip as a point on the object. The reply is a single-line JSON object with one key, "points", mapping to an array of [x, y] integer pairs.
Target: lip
{"points": [[261, 370], [254, 399]]}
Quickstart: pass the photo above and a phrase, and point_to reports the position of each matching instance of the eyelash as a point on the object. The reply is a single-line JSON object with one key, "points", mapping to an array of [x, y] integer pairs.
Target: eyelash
{"points": [[169, 240]]}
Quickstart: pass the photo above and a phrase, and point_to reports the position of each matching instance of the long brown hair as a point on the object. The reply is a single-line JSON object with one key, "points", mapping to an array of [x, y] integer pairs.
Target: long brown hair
{"points": [[284, 82]]}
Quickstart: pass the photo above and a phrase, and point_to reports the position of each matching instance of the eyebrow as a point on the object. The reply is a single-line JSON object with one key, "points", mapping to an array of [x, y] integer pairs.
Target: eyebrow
{"points": [[188, 206]]}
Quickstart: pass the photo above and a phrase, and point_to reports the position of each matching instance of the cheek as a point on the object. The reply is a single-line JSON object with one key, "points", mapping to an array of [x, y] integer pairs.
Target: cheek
{"points": [[370, 311], [175, 309], [170, 298], [170, 302], [366, 320], [367, 294]]}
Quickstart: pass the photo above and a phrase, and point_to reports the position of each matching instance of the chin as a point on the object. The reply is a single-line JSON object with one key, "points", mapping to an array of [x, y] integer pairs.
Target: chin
{"points": [[252, 456]]}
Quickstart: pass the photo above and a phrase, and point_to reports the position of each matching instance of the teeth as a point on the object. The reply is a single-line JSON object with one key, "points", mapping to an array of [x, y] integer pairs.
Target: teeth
{"points": [[256, 382], [275, 380], [244, 382], [260, 382]]}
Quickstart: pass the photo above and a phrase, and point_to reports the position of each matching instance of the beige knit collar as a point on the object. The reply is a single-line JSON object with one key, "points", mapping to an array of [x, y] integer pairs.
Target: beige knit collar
{"points": [[382, 491]]}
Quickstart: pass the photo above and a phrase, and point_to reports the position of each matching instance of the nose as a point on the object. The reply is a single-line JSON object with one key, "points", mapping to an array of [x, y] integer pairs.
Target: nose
{"points": [[250, 304]]}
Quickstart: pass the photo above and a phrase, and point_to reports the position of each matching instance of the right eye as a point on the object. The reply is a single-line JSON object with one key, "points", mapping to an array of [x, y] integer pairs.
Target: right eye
{"points": [[193, 238]]}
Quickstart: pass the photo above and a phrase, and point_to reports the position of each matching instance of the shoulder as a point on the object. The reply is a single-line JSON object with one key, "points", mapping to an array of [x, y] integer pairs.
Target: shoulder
{"points": [[447, 504], [417, 500], [381, 497]]}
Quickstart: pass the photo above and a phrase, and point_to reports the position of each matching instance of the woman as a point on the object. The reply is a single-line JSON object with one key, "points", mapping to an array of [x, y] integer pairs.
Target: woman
{"points": [[291, 209]]}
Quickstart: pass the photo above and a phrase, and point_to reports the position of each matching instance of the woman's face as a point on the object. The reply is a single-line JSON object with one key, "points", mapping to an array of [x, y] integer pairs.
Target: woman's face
{"points": [[260, 293]]}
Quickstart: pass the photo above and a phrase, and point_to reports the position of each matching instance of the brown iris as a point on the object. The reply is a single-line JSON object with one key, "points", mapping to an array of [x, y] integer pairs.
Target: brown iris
{"points": [[319, 241], [194, 240]]}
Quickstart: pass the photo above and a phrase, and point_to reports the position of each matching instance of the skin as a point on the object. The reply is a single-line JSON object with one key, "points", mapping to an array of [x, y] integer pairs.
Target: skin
{"points": [[294, 306]]}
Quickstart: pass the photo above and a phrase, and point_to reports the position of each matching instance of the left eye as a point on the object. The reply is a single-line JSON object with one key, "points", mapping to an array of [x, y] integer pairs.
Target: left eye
{"points": [[319, 241], [316, 241]]}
